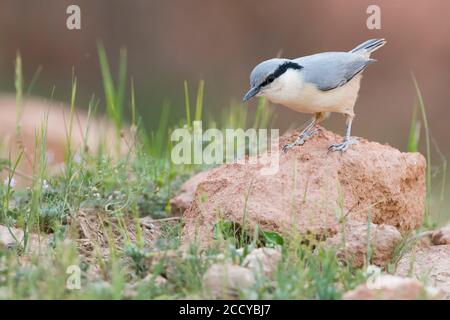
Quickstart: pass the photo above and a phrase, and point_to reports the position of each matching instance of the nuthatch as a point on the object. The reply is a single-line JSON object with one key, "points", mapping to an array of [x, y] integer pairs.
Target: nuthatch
{"points": [[320, 83]]}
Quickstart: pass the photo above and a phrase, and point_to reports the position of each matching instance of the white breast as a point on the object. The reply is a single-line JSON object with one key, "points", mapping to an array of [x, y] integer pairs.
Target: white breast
{"points": [[291, 91]]}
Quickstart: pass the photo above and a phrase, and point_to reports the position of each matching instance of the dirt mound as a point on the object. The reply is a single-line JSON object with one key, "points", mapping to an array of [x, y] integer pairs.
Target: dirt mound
{"points": [[312, 190], [185, 195]]}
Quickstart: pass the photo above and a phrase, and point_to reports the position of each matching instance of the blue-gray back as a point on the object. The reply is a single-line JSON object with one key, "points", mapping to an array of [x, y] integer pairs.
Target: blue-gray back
{"points": [[329, 70]]}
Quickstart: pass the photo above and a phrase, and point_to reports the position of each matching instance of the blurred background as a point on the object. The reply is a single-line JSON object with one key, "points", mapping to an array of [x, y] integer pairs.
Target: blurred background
{"points": [[221, 41]]}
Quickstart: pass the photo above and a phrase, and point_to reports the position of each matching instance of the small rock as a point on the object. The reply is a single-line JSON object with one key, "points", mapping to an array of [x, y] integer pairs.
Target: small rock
{"points": [[433, 262], [226, 280], [186, 194], [8, 239], [441, 236], [351, 244], [130, 291], [388, 287], [263, 260], [147, 222], [158, 280]]}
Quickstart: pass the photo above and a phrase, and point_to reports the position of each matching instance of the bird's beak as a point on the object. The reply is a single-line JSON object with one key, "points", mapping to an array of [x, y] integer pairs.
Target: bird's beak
{"points": [[251, 93]]}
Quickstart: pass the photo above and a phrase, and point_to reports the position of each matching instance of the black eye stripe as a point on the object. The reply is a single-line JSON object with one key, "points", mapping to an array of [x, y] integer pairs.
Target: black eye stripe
{"points": [[279, 71], [271, 78]]}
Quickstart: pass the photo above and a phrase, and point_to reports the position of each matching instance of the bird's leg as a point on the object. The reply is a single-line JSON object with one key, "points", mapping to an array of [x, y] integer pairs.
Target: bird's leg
{"points": [[347, 139], [307, 133]]}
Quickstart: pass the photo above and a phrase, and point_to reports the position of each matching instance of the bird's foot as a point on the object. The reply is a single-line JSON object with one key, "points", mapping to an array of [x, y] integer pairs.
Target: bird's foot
{"points": [[288, 146], [342, 147], [301, 139]]}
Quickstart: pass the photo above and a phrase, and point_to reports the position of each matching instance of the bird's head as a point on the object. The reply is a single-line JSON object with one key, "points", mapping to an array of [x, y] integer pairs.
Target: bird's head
{"points": [[265, 77]]}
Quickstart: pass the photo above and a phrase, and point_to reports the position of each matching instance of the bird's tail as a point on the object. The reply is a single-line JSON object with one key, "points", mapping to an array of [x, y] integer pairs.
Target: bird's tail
{"points": [[369, 46]]}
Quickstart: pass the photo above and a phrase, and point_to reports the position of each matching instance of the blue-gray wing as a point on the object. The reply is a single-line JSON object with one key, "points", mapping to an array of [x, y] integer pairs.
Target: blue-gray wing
{"points": [[329, 70]]}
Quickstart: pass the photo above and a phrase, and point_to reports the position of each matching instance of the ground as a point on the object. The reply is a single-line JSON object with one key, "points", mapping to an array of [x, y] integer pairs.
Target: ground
{"points": [[100, 224]]}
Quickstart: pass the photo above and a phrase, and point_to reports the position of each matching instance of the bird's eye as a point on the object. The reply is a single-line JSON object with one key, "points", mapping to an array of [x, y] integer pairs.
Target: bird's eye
{"points": [[268, 80]]}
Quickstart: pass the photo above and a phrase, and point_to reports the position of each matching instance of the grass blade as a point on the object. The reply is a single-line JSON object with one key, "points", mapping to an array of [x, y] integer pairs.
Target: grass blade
{"points": [[414, 132], [199, 104], [427, 145], [187, 104], [108, 85], [19, 90]]}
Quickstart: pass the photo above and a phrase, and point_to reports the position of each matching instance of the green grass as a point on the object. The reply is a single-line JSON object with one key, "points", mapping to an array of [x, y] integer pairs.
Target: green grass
{"points": [[109, 193], [434, 204]]}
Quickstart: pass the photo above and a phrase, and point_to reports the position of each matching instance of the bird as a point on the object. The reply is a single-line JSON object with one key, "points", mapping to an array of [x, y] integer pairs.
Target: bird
{"points": [[320, 83]]}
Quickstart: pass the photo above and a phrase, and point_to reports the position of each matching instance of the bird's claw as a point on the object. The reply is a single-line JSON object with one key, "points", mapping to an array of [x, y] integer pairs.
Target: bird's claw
{"points": [[342, 147], [288, 146], [300, 140]]}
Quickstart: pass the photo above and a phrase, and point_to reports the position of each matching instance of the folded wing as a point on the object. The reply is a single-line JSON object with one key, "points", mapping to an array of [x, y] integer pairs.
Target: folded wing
{"points": [[329, 70]]}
